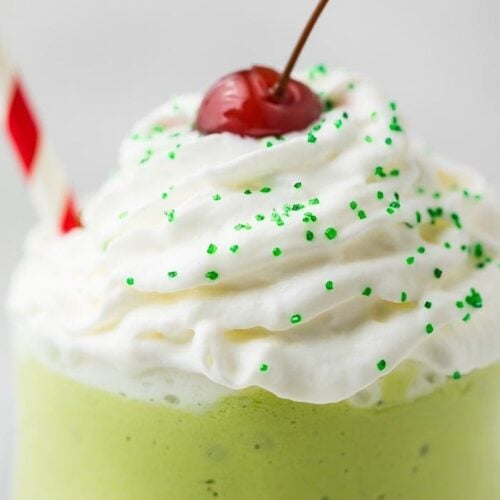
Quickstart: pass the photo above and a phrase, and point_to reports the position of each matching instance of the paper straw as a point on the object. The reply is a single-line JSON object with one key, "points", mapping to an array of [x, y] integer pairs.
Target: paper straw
{"points": [[47, 184]]}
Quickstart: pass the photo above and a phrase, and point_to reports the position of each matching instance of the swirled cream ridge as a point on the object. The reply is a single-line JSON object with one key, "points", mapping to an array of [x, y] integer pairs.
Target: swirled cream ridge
{"points": [[309, 265]]}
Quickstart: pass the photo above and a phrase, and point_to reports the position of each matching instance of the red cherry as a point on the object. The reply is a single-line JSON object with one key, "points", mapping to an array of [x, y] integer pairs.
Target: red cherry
{"points": [[244, 103]]}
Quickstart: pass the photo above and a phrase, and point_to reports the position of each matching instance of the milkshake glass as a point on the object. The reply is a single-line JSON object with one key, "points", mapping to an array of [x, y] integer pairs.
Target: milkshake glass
{"points": [[308, 316]]}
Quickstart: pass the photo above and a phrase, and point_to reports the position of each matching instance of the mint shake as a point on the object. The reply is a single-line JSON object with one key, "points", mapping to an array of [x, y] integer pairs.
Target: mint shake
{"points": [[305, 316]]}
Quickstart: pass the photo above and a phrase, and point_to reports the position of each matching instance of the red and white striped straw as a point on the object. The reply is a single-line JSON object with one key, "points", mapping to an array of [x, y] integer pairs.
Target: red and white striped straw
{"points": [[48, 186]]}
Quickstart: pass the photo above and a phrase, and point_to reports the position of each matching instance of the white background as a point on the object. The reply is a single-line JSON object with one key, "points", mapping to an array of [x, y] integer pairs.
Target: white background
{"points": [[94, 66]]}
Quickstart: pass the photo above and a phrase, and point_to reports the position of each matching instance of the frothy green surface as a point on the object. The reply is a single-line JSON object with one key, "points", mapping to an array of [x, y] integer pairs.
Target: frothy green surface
{"points": [[81, 443]]}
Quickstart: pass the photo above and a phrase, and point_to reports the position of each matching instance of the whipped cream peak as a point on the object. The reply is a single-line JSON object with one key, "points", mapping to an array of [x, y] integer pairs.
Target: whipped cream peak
{"points": [[309, 264]]}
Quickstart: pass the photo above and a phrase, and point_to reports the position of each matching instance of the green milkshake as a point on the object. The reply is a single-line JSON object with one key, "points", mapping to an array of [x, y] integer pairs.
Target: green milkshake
{"points": [[302, 316], [255, 445]]}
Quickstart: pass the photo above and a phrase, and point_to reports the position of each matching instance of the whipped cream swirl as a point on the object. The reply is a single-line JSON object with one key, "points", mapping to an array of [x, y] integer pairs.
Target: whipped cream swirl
{"points": [[309, 265]]}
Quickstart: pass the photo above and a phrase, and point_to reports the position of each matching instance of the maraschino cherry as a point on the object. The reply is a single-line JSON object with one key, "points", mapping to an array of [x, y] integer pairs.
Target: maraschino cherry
{"points": [[259, 101]]}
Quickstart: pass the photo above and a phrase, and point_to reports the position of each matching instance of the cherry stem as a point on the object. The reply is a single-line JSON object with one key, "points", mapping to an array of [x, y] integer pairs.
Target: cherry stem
{"points": [[280, 88]]}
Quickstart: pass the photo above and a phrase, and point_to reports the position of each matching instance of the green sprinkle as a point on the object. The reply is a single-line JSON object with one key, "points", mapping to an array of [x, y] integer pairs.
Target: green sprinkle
{"points": [[374, 115], [435, 213], [309, 235], [459, 304], [260, 217], [146, 157], [474, 299], [216, 197], [234, 248], [353, 205], [478, 250], [395, 173], [362, 214], [314, 201], [297, 185], [421, 249], [172, 274], [164, 196], [269, 144], [388, 141], [381, 365], [367, 291], [297, 206], [456, 220], [170, 215], [428, 305], [418, 217], [159, 129], [296, 318], [404, 296], [390, 210], [368, 139], [436, 195], [309, 217], [247, 191], [380, 195], [410, 261], [438, 273], [429, 328], [276, 217], [394, 125], [318, 70], [171, 155], [456, 375], [379, 171], [338, 123], [311, 138], [467, 318], [329, 285], [345, 115], [265, 189], [264, 367], [331, 233], [277, 252], [328, 105], [212, 275], [212, 248], [241, 227], [393, 106], [130, 281]]}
